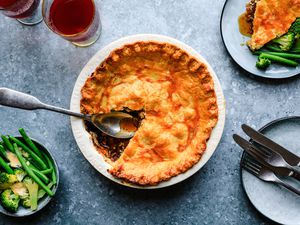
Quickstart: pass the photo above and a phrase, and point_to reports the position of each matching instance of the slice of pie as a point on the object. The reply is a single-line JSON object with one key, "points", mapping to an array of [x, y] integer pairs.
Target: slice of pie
{"points": [[172, 96], [272, 19]]}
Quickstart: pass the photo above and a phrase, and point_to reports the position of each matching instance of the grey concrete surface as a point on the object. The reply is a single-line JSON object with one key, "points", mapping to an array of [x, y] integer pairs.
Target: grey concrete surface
{"points": [[36, 61]]}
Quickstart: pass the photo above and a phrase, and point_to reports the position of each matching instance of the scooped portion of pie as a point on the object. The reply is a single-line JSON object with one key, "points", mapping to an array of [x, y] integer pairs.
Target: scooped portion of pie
{"points": [[172, 96], [270, 19]]}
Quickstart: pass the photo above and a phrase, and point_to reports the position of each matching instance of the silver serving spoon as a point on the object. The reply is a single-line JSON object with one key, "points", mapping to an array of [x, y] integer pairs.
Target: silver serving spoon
{"points": [[115, 124]]}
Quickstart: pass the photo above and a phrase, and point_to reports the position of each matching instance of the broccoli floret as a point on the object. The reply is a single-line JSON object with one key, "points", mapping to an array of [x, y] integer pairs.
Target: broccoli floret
{"points": [[33, 189], [295, 28], [9, 200], [20, 174], [26, 202], [296, 46], [263, 63], [20, 189], [285, 42], [7, 180]]}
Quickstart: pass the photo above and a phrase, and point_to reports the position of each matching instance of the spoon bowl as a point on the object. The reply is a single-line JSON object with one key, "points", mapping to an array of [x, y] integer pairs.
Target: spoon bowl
{"points": [[115, 124]]}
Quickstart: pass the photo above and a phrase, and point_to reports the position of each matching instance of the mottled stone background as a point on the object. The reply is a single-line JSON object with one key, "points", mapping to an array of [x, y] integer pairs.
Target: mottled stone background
{"points": [[36, 61]]}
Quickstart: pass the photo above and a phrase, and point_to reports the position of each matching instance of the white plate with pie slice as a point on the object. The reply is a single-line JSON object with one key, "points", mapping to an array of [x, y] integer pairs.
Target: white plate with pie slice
{"points": [[235, 44], [84, 140]]}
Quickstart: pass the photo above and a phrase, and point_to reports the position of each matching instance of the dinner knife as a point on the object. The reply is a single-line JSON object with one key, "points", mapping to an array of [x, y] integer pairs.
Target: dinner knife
{"points": [[264, 141], [247, 146]]}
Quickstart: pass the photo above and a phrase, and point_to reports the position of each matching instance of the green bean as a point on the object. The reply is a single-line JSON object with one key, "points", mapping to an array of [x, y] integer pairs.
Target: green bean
{"points": [[53, 176], [31, 165], [30, 172], [41, 192], [278, 59], [7, 143], [50, 164], [281, 54], [5, 166], [32, 162], [34, 156], [47, 171], [29, 142], [39, 174], [3, 152]]}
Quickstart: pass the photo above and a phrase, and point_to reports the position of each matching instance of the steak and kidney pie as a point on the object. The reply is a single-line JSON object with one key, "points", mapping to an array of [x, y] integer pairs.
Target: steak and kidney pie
{"points": [[171, 95]]}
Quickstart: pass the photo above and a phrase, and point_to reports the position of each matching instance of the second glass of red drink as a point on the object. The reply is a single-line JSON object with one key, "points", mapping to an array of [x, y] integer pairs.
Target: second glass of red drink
{"points": [[27, 12], [77, 21]]}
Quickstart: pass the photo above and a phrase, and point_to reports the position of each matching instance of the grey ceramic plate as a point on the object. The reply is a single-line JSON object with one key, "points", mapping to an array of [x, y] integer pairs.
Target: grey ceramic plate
{"points": [[22, 212], [273, 201], [235, 44]]}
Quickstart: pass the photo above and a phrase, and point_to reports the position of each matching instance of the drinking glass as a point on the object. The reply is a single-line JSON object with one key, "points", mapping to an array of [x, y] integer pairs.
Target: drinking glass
{"points": [[28, 12], [77, 21]]}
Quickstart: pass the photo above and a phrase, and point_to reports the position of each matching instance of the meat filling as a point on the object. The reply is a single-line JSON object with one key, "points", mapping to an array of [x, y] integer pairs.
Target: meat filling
{"points": [[250, 12], [111, 147]]}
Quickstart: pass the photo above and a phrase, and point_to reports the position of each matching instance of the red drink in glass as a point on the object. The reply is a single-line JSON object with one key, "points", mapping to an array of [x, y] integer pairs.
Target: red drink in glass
{"points": [[6, 3], [18, 9], [75, 20]]}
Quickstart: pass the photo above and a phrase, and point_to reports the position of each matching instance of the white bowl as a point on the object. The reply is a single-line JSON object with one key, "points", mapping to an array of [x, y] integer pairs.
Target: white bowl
{"points": [[84, 140]]}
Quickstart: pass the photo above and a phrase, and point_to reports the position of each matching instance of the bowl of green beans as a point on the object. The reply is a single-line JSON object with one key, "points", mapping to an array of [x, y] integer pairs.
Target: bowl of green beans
{"points": [[29, 175]]}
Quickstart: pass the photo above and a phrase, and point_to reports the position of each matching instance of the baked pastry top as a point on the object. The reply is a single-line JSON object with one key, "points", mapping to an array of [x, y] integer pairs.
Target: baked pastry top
{"points": [[175, 94], [272, 19]]}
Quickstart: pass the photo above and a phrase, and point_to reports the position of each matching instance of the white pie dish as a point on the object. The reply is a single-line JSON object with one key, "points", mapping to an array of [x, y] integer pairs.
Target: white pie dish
{"points": [[83, 137]]}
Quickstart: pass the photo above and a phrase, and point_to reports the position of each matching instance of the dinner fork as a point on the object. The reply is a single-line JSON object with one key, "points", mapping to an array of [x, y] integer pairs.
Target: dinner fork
{"points": [[250, 149], [270, 145], [273, 158], [264, 173]]}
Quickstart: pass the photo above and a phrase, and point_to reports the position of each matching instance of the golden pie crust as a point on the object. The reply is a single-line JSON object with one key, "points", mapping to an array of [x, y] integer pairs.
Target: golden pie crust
{"points": [[176, 93], [272, 19]]}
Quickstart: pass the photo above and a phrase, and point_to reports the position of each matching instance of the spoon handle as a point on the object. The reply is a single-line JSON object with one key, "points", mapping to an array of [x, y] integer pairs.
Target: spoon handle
{"points": [[21, 100], [66, 111]]}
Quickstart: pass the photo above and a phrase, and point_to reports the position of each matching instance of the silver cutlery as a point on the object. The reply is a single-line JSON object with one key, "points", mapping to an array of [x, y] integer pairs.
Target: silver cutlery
{"points": [[270, 145], [265, 174], [114, 124], [256, 153]]}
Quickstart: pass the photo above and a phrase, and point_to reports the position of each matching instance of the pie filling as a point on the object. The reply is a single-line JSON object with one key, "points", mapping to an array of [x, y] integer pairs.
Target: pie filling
{"points": [[250, 11], [112, 147], [169, 93]]}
